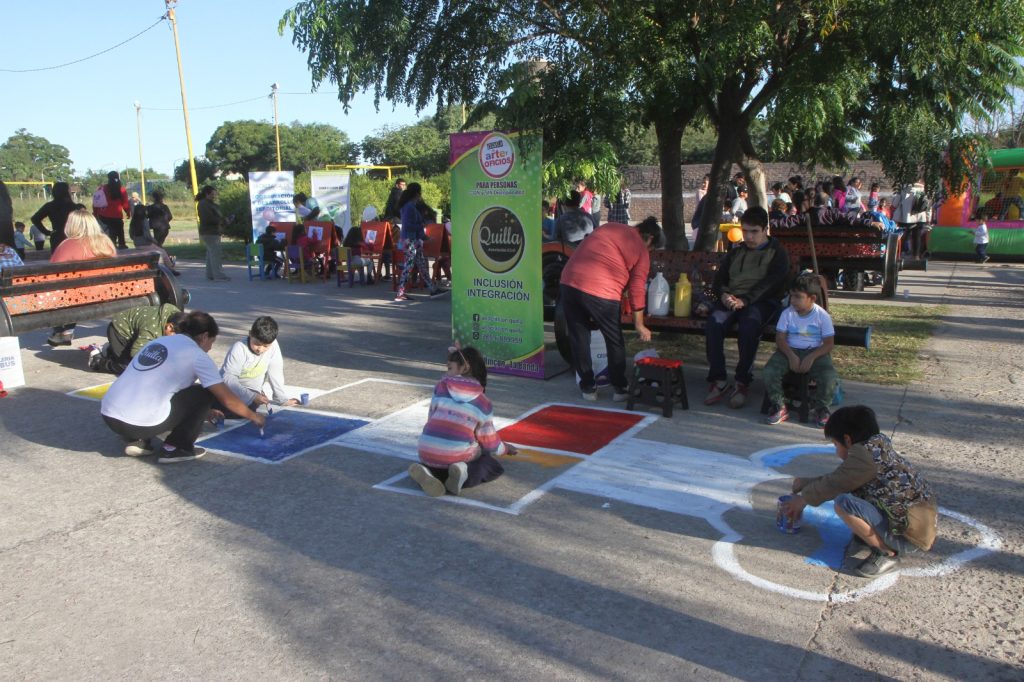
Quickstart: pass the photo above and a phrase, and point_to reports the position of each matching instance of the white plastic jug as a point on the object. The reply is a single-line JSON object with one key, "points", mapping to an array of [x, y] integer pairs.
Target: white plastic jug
{"points": [[658, 295]]}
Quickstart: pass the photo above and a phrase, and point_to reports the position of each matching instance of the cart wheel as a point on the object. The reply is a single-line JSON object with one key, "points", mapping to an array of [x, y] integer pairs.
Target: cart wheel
{"points": [[892, 266]]}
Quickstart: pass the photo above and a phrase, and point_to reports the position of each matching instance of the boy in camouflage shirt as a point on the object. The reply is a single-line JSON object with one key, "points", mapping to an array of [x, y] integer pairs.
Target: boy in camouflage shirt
{"points": [[878, 493]]}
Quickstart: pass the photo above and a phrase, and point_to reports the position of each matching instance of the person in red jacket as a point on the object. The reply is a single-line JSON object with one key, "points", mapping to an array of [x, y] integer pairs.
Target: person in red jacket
{"points": [[117, 206], [612, 259]]}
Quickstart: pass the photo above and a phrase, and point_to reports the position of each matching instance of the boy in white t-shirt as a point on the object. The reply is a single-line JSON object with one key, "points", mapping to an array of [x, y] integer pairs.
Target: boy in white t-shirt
{"points": [[805, 337], [981, 238]]}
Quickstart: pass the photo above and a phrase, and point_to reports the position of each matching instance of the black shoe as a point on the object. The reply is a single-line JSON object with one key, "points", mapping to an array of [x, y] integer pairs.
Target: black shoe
{"points": [[877, 564], [439, 292], [180, 455], [59, 340]]}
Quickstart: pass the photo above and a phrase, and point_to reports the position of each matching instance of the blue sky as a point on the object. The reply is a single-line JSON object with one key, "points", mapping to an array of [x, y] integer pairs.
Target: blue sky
{"points": [[231, 51]]}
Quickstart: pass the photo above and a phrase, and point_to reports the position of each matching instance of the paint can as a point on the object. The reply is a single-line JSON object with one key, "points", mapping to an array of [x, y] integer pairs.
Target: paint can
{"points": [[783, 522], [304, 398]]}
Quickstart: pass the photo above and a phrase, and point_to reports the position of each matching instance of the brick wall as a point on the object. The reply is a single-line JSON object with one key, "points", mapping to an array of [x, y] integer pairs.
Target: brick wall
{"points": [[645, 182]]}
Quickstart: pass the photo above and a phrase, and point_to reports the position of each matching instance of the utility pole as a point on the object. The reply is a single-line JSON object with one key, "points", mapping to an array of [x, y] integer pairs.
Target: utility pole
{"points": [[277, 129], [138, 133], [184, 101]]}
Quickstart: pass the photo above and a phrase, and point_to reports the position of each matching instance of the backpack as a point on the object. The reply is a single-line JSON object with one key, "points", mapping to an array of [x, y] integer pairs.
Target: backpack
{"points": [[99, 198]]}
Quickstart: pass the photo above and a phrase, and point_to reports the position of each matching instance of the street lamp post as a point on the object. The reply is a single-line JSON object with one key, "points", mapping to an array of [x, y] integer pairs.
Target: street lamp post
{"points": [[184, 101], [277, 129], [138, 132]]}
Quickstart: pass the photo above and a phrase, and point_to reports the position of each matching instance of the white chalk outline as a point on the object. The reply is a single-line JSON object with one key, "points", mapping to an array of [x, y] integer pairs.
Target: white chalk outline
{"points": [[533, 495], [724, 554]]}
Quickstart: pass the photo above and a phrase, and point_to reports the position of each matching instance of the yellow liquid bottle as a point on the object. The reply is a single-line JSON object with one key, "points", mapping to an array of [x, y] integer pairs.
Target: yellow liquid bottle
{"points": [[683, 300]]}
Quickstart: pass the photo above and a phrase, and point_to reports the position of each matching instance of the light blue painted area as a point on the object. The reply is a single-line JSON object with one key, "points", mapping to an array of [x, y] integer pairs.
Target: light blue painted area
{"points": [[287, 433], [835, 535]]}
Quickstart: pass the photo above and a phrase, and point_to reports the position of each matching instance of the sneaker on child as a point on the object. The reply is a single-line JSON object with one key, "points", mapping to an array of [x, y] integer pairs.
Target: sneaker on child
{"points": [[457, 475], [778, 415], [821, 416], [427, 481]]}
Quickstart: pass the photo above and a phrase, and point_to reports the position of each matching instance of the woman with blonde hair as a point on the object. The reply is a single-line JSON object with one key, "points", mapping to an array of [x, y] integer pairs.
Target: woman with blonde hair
{"points": [[84, 241]]}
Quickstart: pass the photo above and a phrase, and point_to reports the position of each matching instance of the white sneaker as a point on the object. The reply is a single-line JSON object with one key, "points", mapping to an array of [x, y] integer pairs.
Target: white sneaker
{"points": [[457, 475], [619, 397], [591, 396], [139, 448], [426, 480]]}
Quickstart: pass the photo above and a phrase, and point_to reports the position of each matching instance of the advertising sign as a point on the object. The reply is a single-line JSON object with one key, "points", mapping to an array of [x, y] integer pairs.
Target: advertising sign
{"points": [[331, 191], [270, 198], [497, 305]]}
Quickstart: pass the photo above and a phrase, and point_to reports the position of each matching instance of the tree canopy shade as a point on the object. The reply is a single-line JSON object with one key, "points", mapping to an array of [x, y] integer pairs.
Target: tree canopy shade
{"points": [[25, 156], [243, 146], [821, 77]]}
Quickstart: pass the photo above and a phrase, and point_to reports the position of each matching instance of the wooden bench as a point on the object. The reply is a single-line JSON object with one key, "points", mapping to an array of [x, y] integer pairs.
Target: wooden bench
{"points": [[51, 294], [673, 263]]}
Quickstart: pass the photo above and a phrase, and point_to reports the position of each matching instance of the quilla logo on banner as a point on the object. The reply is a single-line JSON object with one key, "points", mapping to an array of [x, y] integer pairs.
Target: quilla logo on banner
{"points": [[496, 238]]}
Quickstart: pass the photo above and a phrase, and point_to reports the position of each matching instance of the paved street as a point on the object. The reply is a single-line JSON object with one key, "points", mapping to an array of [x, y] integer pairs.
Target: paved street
{"points": [[639, 548]]}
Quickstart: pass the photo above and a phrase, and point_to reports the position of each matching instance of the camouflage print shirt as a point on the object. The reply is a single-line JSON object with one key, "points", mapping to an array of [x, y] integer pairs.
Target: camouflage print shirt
{"points": [[875, 472]]}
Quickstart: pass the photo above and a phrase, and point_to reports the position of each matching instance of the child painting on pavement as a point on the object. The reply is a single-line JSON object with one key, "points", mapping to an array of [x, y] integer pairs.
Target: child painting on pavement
{"points": [[459, 443]]}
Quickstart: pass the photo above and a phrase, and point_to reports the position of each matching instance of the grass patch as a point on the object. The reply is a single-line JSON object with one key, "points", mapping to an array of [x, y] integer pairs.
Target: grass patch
{"points": [[234, 250], [898, 334]]}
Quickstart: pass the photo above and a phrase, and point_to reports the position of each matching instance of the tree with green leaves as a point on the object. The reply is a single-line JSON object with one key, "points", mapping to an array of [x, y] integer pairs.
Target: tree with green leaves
{"points": [[205, 171], [816, 74], [827, 77], [580, 72], [25, 156], [244, 146]]}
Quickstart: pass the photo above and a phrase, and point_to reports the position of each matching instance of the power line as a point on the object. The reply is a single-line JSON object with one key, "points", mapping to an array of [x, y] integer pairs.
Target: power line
{"points": [[78, 61], [212, 106]]}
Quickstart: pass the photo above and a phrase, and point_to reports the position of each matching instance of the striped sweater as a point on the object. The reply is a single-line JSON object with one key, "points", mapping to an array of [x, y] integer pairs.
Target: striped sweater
{"points": [[460, 424]]}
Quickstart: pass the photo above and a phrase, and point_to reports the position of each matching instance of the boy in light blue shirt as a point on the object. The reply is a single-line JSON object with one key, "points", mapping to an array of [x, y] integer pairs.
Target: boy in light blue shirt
{"points": [[805, 337]]}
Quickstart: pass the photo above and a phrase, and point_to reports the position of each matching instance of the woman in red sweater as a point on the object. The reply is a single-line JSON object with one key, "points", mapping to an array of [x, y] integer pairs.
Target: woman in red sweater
{"points": [[118, 206]]}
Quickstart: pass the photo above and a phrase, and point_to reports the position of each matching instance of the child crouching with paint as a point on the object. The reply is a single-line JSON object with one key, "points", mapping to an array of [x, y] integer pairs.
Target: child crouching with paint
{"points": [[883, 499], [459, 443]]}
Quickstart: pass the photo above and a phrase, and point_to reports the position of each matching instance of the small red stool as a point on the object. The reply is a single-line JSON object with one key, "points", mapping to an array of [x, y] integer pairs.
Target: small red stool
{"points": [[657, 381]]}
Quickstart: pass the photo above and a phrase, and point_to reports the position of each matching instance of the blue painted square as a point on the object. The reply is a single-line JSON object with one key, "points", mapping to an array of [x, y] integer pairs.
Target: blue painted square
{"points": [[287, 433]]}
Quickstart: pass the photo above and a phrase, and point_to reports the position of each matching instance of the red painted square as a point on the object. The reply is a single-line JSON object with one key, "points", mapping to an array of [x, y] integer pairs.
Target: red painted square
{"points": [[572, 429]]}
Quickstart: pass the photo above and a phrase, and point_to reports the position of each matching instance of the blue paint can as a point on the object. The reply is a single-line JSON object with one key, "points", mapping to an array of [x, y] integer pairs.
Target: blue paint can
{"points": [[784, 523]]}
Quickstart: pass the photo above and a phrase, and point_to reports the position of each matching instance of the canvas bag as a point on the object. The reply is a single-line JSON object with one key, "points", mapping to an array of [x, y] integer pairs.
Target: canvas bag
{"points": [[99, 198], [11, 372]]}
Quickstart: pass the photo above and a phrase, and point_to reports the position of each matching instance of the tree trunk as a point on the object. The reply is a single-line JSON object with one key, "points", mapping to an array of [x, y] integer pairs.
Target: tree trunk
{"points": [[757, 180], [726, 150], [670, 136]]}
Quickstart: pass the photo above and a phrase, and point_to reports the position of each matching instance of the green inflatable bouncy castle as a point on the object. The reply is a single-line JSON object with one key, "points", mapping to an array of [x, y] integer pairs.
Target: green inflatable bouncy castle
{"points": [[999, 194]]}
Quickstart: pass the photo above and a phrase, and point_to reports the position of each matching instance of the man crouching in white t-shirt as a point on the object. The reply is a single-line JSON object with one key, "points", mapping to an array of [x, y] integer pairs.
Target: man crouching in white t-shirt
{"points": [[158, 393], [805, 337], [252, 364]]}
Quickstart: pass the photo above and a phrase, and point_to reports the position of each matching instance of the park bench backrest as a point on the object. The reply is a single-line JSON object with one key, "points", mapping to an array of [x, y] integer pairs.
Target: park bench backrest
{"points": [[50, 294]]}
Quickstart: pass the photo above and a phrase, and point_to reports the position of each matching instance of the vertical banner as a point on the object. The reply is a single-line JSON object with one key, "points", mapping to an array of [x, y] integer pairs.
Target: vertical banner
{"points": [[330, 189], [496, 262], [270, 198]]}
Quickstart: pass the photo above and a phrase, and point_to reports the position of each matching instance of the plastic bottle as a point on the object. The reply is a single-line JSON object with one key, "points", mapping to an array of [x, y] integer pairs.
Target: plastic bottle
{"points": [[657, 296], [682, 303]]}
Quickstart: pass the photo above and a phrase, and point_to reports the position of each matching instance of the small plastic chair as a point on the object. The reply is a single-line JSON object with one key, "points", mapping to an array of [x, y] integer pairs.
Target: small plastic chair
{"points": [[254, 256]]}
